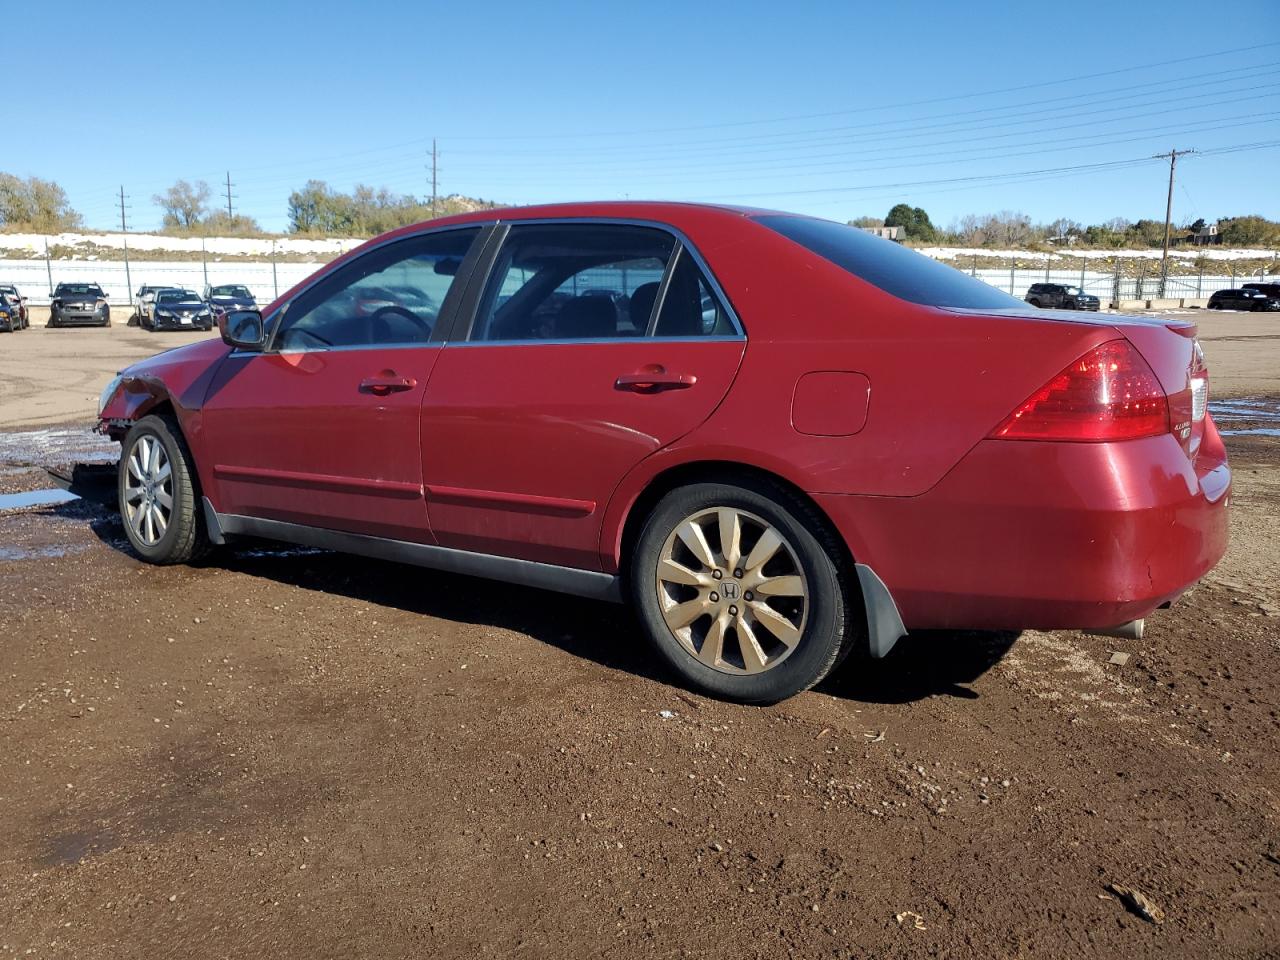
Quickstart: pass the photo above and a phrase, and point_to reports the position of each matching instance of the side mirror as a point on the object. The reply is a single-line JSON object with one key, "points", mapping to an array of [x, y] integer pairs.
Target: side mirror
{"points": [[243, 329]]}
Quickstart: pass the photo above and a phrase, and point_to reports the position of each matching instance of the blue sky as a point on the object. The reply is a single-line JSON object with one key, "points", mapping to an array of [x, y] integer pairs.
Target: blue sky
{"points": [[834, 109]]}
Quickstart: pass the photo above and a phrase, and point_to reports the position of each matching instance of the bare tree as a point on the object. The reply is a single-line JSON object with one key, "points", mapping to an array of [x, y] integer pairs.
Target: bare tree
{"points": [[184, 204]]}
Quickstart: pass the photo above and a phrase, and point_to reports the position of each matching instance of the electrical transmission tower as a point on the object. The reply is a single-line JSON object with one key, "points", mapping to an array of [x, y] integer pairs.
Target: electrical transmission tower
{"points": [[229, 196]]}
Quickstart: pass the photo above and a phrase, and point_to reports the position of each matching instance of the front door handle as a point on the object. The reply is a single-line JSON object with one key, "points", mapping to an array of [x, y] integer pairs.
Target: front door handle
{"points": [[654, 379], [385, 383]]}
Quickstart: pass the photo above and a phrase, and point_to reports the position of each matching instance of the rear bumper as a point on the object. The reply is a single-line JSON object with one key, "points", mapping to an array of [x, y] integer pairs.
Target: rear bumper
{"points": [[1023, 535]]}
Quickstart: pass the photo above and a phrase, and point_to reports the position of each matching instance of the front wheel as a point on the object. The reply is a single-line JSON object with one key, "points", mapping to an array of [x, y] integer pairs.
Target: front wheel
{"points": [[158, 493], [739, 588]]}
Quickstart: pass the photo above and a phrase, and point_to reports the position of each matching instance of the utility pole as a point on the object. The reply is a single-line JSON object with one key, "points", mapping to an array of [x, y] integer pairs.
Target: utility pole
{"points": [[1172, 156], [434, 158], [230, 214], [124, 229]]}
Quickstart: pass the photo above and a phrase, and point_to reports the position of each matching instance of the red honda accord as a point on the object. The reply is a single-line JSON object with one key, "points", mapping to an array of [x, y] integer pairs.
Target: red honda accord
{"points": [[781, 439]]}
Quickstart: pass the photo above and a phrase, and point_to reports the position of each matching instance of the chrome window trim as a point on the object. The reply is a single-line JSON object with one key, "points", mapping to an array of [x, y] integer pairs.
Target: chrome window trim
{"points": [[682, 244], [736, 338]]}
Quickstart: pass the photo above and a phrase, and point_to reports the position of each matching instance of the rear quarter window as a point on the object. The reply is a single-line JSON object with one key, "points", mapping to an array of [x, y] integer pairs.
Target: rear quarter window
{"points": [[897, 270]]}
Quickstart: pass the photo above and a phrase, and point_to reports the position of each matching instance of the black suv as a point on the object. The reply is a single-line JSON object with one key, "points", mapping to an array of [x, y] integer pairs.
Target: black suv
{"points": [[1060, 296], [1246, 298]]}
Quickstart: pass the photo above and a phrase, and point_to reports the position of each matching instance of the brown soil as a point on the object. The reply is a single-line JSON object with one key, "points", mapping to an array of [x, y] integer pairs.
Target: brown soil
{"points": [[290, 753]]}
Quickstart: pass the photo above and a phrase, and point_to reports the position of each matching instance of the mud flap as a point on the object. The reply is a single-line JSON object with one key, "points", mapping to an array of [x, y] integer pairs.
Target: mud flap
{"points": [[212, 525], [884, 623]]}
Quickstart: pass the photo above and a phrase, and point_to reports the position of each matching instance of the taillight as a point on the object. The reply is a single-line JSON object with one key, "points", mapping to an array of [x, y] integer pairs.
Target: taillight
{"points": [[1108, 394]]}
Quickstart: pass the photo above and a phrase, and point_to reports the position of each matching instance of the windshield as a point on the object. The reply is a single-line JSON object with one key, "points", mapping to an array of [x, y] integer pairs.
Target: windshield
{"points": [[84, 289], [231, 290], [11, 291], [177, 296], [895, 269]]}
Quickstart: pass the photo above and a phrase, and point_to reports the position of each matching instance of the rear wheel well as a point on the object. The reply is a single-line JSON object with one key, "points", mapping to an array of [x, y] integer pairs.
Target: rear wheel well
{"points": [[725, 471]]}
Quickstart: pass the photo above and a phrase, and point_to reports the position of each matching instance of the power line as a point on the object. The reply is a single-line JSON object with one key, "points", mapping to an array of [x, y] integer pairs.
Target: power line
{"points": [[893, 106]]}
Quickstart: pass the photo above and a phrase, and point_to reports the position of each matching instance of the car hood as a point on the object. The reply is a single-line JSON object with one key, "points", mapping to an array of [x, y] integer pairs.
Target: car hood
{"points": [[202, 353], [185, 306], [233, 301]]}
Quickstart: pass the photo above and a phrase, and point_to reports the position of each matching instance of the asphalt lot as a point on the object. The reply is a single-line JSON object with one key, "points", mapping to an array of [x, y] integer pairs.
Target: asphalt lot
{"points": [[284, 752]]}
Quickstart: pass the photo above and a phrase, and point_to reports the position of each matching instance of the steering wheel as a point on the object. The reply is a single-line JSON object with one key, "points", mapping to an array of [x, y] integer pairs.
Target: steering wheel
{"points": [[383, 312]]}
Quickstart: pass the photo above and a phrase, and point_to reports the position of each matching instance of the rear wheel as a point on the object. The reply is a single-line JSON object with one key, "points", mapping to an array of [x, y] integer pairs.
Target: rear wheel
{"points": [[739, 589], [158, 493]]}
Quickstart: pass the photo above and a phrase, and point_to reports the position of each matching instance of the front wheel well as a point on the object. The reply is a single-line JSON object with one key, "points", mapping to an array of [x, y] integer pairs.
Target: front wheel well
{"points": [[724, 471], [160, 406]]}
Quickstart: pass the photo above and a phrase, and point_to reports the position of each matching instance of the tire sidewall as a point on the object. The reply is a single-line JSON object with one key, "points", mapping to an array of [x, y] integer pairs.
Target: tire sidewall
{"points": [[820, 644], [163, 549]]}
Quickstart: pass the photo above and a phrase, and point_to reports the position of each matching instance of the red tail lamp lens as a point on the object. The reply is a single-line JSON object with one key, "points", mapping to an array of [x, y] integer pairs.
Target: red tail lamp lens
{"points": [[1108, 394]]}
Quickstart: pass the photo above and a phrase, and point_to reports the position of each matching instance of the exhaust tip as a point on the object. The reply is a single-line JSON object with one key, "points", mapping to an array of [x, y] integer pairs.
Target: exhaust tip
{"points": [[1125, 631]]}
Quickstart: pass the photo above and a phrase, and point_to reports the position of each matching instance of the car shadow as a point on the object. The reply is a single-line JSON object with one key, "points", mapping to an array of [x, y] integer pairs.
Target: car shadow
{"points": [[923, 665], [927, 663]]}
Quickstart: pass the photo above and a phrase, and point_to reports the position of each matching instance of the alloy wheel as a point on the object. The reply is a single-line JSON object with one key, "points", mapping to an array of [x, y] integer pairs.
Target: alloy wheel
{"points": [[732, 591], [148, 498]]}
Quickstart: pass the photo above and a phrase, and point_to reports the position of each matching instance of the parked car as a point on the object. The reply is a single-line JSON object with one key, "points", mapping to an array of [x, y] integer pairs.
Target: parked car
{"points": [[176, 309], [142, 301], [79, 304], [230, 296], [10, 318], [1245, 298], [1060, 296], [718, 460], [17, 302]]}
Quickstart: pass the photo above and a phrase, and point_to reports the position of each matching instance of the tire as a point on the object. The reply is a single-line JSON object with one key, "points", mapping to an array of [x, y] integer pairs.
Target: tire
{"points": [[183, 537], [1034, 303], [814, 609]]}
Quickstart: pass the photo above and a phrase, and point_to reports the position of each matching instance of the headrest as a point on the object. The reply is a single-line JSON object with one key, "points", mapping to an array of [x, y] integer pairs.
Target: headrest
{"points": [[587, 318], [642, 305]]}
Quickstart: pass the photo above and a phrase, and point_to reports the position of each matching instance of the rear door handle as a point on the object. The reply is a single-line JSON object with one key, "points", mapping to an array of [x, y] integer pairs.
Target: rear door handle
{"points": [[385, 383], [654, 381]]}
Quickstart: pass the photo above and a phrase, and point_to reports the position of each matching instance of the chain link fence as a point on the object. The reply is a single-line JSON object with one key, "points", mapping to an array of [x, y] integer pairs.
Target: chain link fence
{"points": [[1111, 283], [1123, 280]]}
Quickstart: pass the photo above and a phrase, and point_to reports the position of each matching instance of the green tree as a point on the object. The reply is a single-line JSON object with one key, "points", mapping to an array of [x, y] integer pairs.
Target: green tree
{"points": [[914, 222], [1249, 231], [40, 206]]}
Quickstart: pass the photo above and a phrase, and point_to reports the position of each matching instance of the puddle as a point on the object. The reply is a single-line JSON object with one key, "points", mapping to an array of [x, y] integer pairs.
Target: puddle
{"points": [[34, 553], [1256, 431], [56, 445], [1264, 409], [35, 498]]}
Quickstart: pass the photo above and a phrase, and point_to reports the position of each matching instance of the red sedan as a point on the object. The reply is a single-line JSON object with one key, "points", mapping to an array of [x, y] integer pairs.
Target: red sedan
{"points": [[781, 439]]}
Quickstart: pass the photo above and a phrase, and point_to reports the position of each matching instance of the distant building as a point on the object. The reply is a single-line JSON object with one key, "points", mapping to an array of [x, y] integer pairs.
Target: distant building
{"points": [[887, 233], [1205, 236]]}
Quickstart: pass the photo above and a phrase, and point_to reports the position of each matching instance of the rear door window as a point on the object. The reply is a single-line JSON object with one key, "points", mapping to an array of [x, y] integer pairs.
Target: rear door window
{"points": [[573, 282], [578, 282]]}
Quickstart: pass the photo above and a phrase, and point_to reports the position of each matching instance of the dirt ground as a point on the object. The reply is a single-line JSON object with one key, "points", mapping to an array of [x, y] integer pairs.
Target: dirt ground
{"points": [[292, 753]]}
